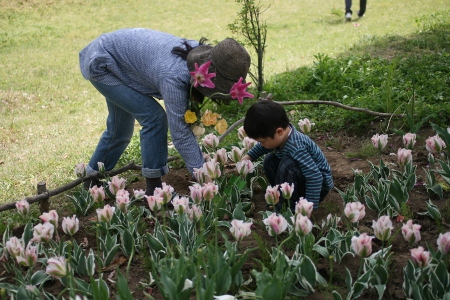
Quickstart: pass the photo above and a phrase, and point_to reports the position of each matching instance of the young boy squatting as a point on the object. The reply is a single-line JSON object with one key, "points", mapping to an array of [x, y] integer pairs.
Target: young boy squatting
{"points": [[291, 156]]}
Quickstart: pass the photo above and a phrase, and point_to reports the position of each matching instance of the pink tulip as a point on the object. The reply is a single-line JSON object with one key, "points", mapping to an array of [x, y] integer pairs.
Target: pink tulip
{"points": [[240, 229], [435, 144], [304, 207], [14, 246], [443, 242], [51, 217], [404, 157], [379, 141], [238, 91], [302, 225], [420, 257], [105, 214], [411, 232], [221, 156], [362, 245], [272, 195], [210, 141], [196, 193], [180, 204], [97, 193], [244, 167], [201, 76], [70, 226], [28, 257], [355, 211], [155, 202], [212, 169], [210, 190], [165, 192], [23, 207], [241, 133], [276, 224], [409, 140], [42, 233], [139, 194], [199, 175], [80, 170], [122, 200], [236, 154], [382, 228], [305, 125], [287, 190], [194, 213], [248, 143], [116, 184], [56, 267]]}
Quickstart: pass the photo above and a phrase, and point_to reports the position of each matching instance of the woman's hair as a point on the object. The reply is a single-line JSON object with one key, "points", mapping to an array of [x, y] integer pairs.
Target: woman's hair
{"points": [[263, 118], [183, 52]]}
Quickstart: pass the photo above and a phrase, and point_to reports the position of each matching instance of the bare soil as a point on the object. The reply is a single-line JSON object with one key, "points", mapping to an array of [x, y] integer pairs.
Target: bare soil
{"points": [[336, 148]]}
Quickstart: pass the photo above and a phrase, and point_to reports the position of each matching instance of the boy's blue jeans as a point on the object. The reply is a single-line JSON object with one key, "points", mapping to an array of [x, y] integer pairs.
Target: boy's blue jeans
{"points": [[125, 105], [287, 170]]}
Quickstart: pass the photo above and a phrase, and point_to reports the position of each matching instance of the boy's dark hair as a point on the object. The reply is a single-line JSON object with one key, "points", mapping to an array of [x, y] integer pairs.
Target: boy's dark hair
{"points": [[263, 118]]}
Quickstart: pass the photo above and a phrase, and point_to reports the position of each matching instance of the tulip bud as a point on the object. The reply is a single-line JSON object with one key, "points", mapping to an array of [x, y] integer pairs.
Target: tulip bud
{"points": [[302, 225], [80, 170], [304, 207], [305, 125], [355, 211], [239, 229], [409, 140], [404, 157], [272, 195], [56, 267], [276, 224], [196, 192], [443, 242], [180, 204], [379, 141], [23, 207], [382, 228], [105, 214], [411, 232], [70, 226], [362, 245], [194, 213], [420, 257], [244, 167]]}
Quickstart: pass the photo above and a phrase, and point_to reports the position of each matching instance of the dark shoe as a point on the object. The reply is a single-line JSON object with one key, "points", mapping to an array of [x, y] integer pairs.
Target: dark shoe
{"points": [[90, 183], [348, 16], [360, 15]]}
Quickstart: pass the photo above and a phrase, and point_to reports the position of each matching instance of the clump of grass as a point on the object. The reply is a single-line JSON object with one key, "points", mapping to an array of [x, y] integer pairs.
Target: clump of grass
{"points": [[366, 151]]}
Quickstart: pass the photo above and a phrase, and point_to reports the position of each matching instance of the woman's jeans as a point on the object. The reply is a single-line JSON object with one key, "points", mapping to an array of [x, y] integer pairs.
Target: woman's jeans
{"points": [[287, 170], [125, 105]]}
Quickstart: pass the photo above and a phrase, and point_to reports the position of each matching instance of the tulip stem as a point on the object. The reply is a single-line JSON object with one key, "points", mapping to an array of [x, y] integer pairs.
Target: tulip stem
{"points": [[129, 263]]}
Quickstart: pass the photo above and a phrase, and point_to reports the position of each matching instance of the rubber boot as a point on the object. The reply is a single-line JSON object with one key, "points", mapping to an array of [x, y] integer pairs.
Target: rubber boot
{"points": [[152, 184]]}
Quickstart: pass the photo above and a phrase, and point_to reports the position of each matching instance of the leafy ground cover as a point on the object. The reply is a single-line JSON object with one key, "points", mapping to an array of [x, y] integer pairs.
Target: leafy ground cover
{"points": [[345, 154]]}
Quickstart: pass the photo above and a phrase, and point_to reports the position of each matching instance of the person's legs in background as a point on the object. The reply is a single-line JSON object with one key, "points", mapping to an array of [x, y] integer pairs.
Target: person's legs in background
{"points": [[362, 8], [348, 10]]}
